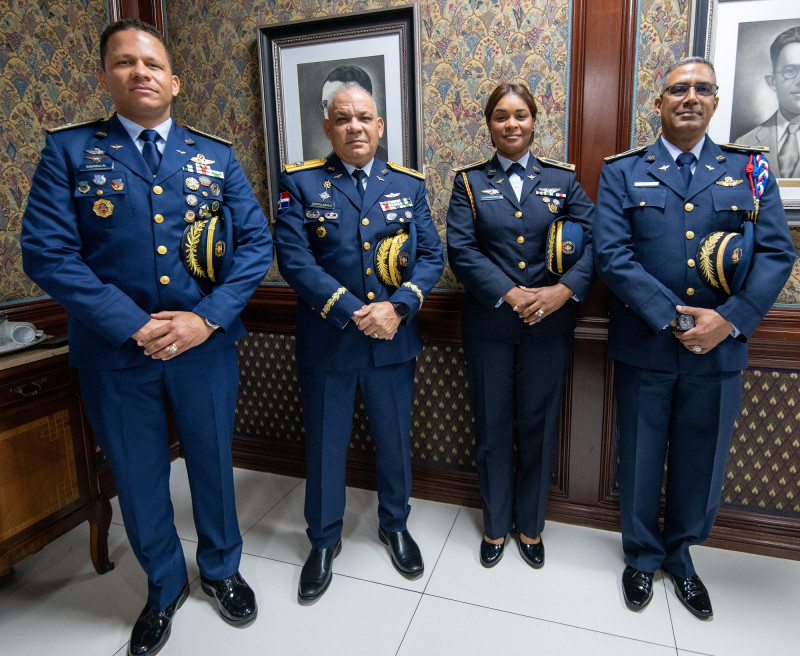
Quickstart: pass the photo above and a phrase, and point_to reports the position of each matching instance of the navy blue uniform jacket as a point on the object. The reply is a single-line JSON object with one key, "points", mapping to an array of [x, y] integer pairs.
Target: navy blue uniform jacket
{"points": [[329, 262], [502, 243], [109, 272], [646, 236]]}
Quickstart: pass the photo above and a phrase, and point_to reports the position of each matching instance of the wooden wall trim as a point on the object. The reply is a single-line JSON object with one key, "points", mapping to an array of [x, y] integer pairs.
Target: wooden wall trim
{"points": [[735, 529], [150, 11]]}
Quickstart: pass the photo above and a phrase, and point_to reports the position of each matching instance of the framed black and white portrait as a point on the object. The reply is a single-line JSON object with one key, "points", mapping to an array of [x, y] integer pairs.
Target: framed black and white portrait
{"points": [[303, 63], [755, 47]]}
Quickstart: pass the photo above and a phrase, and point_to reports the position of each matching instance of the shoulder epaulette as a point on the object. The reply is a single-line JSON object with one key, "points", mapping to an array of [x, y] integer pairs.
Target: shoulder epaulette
{"points": [[302, 166], [469, 167], [632, 151], [69, 126], [742, 148], [206, 134], [554, 162], [404, 169]]}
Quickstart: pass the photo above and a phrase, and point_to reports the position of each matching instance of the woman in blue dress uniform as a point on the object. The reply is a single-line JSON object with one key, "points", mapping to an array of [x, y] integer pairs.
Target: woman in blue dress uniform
{"points": [[518, 318]]}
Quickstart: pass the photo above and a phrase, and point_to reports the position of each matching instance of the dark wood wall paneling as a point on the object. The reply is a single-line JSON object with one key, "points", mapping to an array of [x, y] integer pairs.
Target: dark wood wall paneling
{"points": [[601, 80]]}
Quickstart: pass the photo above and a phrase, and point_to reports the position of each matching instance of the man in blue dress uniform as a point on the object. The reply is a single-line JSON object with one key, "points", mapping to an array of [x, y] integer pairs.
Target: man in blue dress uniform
{"points": [[678, 388], [353, 328], [152, 323]]}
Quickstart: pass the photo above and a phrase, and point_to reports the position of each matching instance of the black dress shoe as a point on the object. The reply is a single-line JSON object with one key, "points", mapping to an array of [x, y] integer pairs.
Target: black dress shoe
{"points": [[317, 573], [236, 601], [637, 588], [693, 594], [152, 629], [406, 557], [533, 554], [491, 553]]}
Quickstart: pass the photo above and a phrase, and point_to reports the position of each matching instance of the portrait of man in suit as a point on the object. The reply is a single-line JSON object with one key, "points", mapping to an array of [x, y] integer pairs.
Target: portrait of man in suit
{"points": [[779, 132]]}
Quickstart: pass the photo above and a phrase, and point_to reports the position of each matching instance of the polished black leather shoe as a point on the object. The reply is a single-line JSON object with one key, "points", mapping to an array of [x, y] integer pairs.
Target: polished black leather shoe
{"points": [[236, 601], [637, 588], [152, 629], [491, 553], [533, 554], [317, 574], [693, 594], [405, 554]]}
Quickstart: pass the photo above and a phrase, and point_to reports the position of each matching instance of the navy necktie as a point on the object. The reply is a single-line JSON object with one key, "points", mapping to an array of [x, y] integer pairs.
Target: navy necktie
{"points": [[515, 167], [360, 176], [149, 149], [684, 162]]}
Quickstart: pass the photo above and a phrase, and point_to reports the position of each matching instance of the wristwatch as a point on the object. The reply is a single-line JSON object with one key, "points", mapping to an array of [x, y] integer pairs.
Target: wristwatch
{"points": [[211, 324], [402, 311]]}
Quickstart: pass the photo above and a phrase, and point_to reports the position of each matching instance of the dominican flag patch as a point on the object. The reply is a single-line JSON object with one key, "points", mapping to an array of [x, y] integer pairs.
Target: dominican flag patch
{"points": [[283, 203]]}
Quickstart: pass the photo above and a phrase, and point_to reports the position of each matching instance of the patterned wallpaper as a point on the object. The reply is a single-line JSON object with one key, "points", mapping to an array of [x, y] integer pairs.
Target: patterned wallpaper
{"points": [[48, 76], [49, 55]]}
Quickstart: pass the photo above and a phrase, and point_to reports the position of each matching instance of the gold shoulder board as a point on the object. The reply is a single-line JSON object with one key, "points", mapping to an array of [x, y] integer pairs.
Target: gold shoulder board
{"points": [[555, 162], [405, 169], [206, 134], [69, 126], [742, 148], [469, 167], [632, 151], [302, 166]]}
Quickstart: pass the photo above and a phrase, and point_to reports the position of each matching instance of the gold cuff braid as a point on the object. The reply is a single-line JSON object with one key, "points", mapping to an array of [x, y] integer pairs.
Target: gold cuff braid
{"points": [[336, 296], [416, 290]]}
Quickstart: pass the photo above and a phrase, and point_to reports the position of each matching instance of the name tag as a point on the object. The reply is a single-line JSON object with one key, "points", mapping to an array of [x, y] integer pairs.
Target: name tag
{"points": [[645, 184]]}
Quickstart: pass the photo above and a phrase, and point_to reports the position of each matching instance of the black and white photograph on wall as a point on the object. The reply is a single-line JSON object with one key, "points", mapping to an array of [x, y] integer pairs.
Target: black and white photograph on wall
{"points": [[304, 62], [318, 81], [755, 48]]}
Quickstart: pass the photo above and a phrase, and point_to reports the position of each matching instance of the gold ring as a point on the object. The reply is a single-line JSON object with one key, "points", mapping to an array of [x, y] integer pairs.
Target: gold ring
{"points": [[540, 313], [375, 335], [697, 349], [172, 349]]}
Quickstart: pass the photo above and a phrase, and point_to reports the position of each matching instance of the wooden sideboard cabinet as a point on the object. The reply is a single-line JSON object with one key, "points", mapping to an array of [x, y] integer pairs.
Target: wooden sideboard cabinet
{"points": [[48, 478]]}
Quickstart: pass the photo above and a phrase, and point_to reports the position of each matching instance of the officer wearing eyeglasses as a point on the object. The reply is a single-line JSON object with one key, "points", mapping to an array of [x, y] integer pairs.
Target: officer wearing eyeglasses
{"points": [[781, 131], [678, 388]]}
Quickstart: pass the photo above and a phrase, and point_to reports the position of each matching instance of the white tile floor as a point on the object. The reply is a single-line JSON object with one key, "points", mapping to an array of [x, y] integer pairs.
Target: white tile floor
{"points": [[55, 603]]}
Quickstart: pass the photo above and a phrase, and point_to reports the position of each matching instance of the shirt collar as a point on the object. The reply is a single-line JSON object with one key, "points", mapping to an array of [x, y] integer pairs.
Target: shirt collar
{"points": [[505, 162], [674, 151], [366, 168], [134, 129]]}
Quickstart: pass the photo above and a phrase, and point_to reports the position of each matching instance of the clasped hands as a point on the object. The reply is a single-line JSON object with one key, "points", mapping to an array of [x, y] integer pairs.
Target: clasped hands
{"points": [[378, 320], [168, 334], [710, 328], [533, 304]]}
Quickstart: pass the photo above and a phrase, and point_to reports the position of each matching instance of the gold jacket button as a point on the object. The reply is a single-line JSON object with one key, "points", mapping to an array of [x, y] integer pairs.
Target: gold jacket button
{"points": [[734, 207], [322, 219], [161, 250], [689, 234], [99, 192], [364, 221], [370, 296], [690, 263], [366, 246], [688, 207], [164, 280], [520, 239], [158, 190], [690, 291], [521, 265], [518, 214], [642, 204], [158, 218], [368, 271]]}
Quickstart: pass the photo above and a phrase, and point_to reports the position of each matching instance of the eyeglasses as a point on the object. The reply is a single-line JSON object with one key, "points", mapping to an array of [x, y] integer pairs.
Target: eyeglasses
{"points": [[789, 72], [701, 89]]}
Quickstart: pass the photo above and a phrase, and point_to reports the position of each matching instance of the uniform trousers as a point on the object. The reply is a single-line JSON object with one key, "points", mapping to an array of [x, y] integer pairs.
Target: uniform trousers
{"points": [[516, 385], [127, 409], [685, 420], [328, 399]]}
